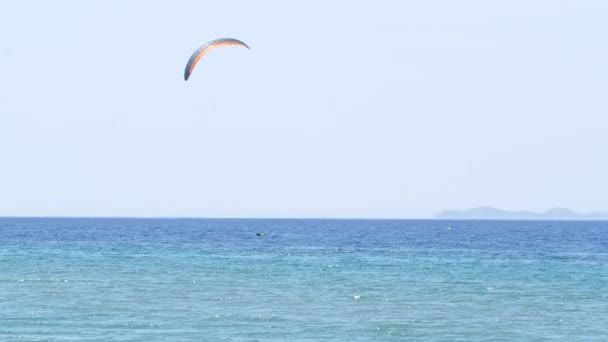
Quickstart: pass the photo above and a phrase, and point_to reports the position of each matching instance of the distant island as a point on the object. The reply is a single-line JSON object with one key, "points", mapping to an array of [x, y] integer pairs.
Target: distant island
{"points": [[489, 213]]}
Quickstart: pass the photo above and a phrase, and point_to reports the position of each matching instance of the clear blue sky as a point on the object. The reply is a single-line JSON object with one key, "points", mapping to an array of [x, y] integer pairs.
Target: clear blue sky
{"points": [[341, 108]]}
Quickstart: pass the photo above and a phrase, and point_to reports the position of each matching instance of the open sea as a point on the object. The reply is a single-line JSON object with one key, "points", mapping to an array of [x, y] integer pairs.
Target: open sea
{"points": [[302, 280]]}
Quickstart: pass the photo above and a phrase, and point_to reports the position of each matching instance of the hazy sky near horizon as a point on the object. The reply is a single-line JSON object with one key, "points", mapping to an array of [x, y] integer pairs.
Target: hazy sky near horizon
{"points": [[340, 109]]}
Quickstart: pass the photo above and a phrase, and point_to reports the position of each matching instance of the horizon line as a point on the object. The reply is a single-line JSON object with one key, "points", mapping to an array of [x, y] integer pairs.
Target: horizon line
{"points": [[296, 218]]}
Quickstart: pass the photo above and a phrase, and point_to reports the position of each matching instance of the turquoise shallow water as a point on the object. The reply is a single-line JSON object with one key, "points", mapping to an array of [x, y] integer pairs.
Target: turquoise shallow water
{"points": [[306, 280]]}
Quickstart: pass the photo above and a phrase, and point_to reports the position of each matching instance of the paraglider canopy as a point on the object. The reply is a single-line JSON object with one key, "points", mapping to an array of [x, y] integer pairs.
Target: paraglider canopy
{"points": [[204, 49]]}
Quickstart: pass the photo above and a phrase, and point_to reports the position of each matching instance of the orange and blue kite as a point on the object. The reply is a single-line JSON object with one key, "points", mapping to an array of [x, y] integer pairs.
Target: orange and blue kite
{"points": [[205, 48]]}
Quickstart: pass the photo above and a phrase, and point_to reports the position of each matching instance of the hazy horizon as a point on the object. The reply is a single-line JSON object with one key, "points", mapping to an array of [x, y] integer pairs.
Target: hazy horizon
{"points": [[444, 214], [346, 109]]}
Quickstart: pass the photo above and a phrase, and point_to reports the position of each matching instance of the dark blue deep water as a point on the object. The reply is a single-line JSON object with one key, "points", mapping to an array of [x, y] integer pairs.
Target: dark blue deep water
{"points": [[304, 280]]}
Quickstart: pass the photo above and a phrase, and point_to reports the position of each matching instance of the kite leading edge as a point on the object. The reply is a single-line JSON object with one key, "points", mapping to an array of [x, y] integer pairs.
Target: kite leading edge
{"points": [[205, 48]]}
